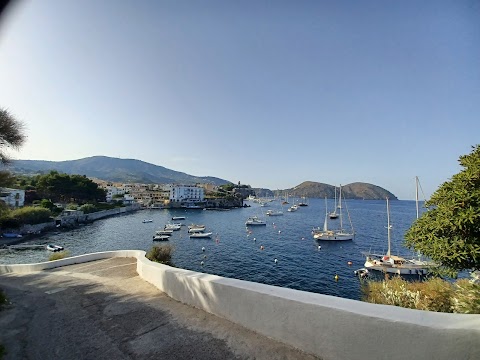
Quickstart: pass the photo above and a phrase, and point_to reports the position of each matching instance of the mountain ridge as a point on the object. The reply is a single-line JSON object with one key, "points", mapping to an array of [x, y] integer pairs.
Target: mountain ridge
{"points": [[133, 170]]}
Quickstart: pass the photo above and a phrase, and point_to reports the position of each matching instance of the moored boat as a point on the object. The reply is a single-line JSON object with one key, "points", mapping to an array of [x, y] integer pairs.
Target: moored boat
{"points": [[201, 235], [54, 248], [255, 220]]}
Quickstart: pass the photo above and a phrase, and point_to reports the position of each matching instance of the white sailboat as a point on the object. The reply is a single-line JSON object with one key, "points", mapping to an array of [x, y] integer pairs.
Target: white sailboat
{"points": [[393, 264], [334, 214], [334, 235]]}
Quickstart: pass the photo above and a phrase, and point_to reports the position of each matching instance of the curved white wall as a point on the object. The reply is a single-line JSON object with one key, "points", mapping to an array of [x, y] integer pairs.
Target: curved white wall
{"points": [[328, 326]]}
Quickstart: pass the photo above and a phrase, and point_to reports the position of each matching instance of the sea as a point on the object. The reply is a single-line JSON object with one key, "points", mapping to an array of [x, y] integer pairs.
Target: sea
{"points": [[234, 251]]}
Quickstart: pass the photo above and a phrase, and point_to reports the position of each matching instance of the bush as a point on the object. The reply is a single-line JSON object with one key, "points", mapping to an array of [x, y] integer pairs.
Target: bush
{"points": [[466, 298], [88, 208], [59, 255], [433, 294], [161, 254], [30, 215]]}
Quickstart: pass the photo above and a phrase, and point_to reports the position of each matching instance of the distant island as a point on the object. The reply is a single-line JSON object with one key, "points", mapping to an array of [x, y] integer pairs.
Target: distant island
{"points": [[137, 171]]}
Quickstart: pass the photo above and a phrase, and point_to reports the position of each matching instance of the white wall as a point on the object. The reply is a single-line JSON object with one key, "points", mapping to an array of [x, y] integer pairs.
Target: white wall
{"points": [[330, 327]]}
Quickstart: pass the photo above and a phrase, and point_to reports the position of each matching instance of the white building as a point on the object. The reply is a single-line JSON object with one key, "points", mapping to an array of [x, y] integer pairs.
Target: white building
{"points": [[13, 197], [113, 191], [186, 193]]}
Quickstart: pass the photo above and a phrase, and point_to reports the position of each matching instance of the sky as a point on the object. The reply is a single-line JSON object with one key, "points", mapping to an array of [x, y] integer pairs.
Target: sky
{"points": [[268, 93]]}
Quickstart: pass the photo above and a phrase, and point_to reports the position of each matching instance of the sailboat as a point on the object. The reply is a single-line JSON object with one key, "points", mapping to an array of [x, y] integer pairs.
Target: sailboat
{"points": [[393, 264], [334, 214], [303, 202], [334, 235]]}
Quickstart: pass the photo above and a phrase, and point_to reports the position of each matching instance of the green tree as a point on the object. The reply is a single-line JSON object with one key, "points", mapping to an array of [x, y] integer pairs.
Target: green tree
{"points": [[11, 135], [68, 188], [449, 233]]}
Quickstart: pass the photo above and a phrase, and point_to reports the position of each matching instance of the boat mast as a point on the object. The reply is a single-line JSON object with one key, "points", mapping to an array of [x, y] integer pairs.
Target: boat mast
{"points": [[325, 223], [335, 208], [416, 193], [388, 228], [340, 206]]}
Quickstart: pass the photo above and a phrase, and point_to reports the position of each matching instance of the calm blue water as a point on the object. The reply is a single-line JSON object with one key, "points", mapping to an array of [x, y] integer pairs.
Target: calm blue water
{"points": [[232, 252]]}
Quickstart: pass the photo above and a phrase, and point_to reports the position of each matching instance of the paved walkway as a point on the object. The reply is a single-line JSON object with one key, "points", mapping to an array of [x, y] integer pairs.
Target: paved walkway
{"points": [[104, 310]]}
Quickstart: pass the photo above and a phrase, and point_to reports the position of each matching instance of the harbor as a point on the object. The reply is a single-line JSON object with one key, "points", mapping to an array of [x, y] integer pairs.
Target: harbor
{"points": [[232, 251]]}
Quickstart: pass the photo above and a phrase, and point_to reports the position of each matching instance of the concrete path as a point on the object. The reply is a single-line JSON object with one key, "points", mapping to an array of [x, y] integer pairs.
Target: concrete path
{"points": [[104, 310]]}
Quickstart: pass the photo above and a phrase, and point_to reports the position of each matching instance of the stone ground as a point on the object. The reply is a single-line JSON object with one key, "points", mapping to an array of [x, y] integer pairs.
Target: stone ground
{"points": [[104, 310]]}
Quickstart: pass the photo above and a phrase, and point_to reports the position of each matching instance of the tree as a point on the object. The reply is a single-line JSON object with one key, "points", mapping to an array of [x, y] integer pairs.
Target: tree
{"points": [[449, 232], [11, 134]]}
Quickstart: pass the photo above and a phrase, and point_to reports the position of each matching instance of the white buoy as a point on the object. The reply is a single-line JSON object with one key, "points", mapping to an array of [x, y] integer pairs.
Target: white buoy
{"points": [[279, 231], [319, 247], [201, 263], [254, 239], [203, 248], [276, 261]]}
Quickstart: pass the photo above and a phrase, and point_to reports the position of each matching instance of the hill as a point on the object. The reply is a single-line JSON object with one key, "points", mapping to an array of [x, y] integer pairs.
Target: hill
{"points": [[113, 169], [357, 190]]}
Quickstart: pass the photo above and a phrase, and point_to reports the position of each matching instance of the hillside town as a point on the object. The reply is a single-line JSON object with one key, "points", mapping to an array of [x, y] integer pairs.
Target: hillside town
{"points": [[156, 196]]}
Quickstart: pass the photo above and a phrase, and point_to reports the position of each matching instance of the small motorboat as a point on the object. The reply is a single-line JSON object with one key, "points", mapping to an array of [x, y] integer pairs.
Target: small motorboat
{"points": [[361, 273], [201, 235], [197, 230], [178, 217], [147, 221], [164, 232], [196, 226], [160, 237], [52, 247]]}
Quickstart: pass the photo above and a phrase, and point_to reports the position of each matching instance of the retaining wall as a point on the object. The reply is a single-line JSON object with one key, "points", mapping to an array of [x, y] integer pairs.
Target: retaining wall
{"points": [[327, 326]]}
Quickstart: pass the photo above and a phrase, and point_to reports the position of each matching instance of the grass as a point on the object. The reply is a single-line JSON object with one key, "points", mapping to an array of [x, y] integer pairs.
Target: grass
{"points": [[435, 294], [59, 255], [161, 254]]}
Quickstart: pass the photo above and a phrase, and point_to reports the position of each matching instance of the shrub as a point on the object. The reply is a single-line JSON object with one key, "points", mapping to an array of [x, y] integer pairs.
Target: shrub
{"points": [[433, 294], [59, 255], [161, 254], [466, 298], [88, 208], [30, 215]]}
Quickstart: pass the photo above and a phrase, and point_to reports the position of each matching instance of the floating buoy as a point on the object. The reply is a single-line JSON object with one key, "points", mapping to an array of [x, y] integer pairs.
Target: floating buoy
{"points": [[254, 239], [349, 263], [319, 247], [203, 248], [201, 263], [279, 231], [275, 261], [204, 256], [303, 238], [261, 247], [336, 277]]}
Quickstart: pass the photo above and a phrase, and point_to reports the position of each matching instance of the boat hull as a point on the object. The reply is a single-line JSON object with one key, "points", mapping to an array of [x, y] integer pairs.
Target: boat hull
{"points": [[329, 236]]}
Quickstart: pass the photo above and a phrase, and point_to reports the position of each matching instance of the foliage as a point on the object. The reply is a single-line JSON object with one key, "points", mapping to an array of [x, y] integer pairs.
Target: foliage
{"points": [[11, 134], [28, 215], [47, 204], [59, 255], [161, 254], [88, 208], [6, 179], [227, 187], [69, 188], [449, 233], [2, 351], [466, 299], [434, 294]]}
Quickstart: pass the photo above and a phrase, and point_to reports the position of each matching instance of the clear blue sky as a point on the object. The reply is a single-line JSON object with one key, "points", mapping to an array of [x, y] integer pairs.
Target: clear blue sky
{"points": [[269, 93]]}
